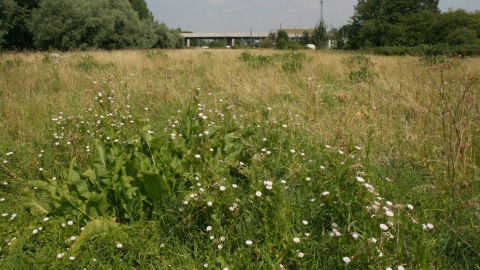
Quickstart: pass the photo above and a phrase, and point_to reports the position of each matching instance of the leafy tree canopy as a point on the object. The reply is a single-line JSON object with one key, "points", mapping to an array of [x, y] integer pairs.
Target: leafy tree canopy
{"points": [[320, 35], [7, 8], [82, 24], [282, 34], [378, 23]]}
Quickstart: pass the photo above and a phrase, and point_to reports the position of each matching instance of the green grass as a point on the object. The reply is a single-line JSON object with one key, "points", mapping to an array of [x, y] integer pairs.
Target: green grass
{"points": [[192, 158]]}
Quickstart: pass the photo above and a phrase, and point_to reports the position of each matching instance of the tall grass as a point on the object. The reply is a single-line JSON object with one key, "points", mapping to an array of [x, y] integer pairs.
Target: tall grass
{"points": [[345, 142]]}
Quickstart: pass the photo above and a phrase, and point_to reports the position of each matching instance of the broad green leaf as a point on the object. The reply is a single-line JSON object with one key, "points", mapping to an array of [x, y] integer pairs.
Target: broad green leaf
{"points": [[100, 160], [50, 189], [31, 202], [212, 130], [233, 157], [127, 188], [155, 184], [175, 162], [146, 136], [98, 201], [91, 175], [74, 178], [94, 228]]}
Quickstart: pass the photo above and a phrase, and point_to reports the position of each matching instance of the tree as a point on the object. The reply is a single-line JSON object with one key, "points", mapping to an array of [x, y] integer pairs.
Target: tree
{"points": [[462, 36], [82, 24], [306, 38], [216, 44], [282, 34], [474, 22], [381, 22], [167, 38], [7, 8], [266, 43], [448, 22], [141, 8], [19, 36], [320, 36], [391, 11]]}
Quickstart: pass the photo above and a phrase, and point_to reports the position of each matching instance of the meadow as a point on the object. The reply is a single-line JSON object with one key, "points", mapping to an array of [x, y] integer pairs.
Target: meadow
{"points": [[233, 159]]}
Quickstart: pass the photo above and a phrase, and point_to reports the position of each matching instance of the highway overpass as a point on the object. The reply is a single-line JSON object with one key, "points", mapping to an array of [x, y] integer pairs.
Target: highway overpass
{"points": [[230, 37]]}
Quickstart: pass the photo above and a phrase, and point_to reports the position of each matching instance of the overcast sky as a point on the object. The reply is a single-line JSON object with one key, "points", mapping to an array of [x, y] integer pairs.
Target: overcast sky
{"points": [[262, 15]]}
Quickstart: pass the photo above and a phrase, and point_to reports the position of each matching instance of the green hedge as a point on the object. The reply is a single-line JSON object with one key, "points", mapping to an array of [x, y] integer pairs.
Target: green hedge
{"points": [[428, 50]]}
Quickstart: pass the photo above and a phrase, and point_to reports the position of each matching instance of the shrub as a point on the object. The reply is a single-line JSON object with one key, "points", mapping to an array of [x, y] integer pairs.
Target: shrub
{"points": [[266, 43]]}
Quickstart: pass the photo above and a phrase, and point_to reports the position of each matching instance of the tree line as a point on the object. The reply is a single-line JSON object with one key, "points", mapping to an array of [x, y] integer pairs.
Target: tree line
{"points": [[390, 23], [396, 24], [82, 24]]}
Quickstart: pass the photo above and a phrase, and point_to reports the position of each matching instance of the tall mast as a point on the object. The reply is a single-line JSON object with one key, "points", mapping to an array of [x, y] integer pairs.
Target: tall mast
{"points": [[321, 10]]}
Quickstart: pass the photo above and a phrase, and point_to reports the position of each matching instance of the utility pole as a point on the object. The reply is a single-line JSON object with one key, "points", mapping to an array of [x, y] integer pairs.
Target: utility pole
{"points": [[321, 10]]}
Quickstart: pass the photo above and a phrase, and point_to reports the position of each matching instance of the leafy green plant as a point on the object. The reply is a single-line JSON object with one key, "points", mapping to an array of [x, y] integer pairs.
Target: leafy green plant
{"points": [[153, 54], [289, 61], [365, 74], [357, 60]]}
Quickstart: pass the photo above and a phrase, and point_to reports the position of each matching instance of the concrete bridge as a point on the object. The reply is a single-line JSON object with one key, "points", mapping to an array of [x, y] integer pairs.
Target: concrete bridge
{"points": [[230, 37]]}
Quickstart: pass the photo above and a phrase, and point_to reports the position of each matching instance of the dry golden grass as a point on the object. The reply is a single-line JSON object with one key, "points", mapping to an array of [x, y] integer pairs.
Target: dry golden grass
{"points": [[396, 108]]}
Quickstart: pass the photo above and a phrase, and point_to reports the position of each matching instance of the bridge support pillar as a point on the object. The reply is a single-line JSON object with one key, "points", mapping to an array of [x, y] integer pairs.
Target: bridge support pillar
{"points": [[231, 42], [188, 42]]}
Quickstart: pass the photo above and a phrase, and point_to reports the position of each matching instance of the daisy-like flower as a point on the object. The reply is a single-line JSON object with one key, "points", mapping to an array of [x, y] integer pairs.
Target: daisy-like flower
{"points": [[355, 235], [325, 193], [71, 258], [248, 242], [35, 231], [305, 222], [222, 188], [296, 239], [46, 219], [300, 254], [119, 245], [258, 193], [346, 260], [410, 206], [360, 179], [209, 203], [197, 156], [389, 213], [209, 228], [220, 246], [70, 223], [383, 227]]}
